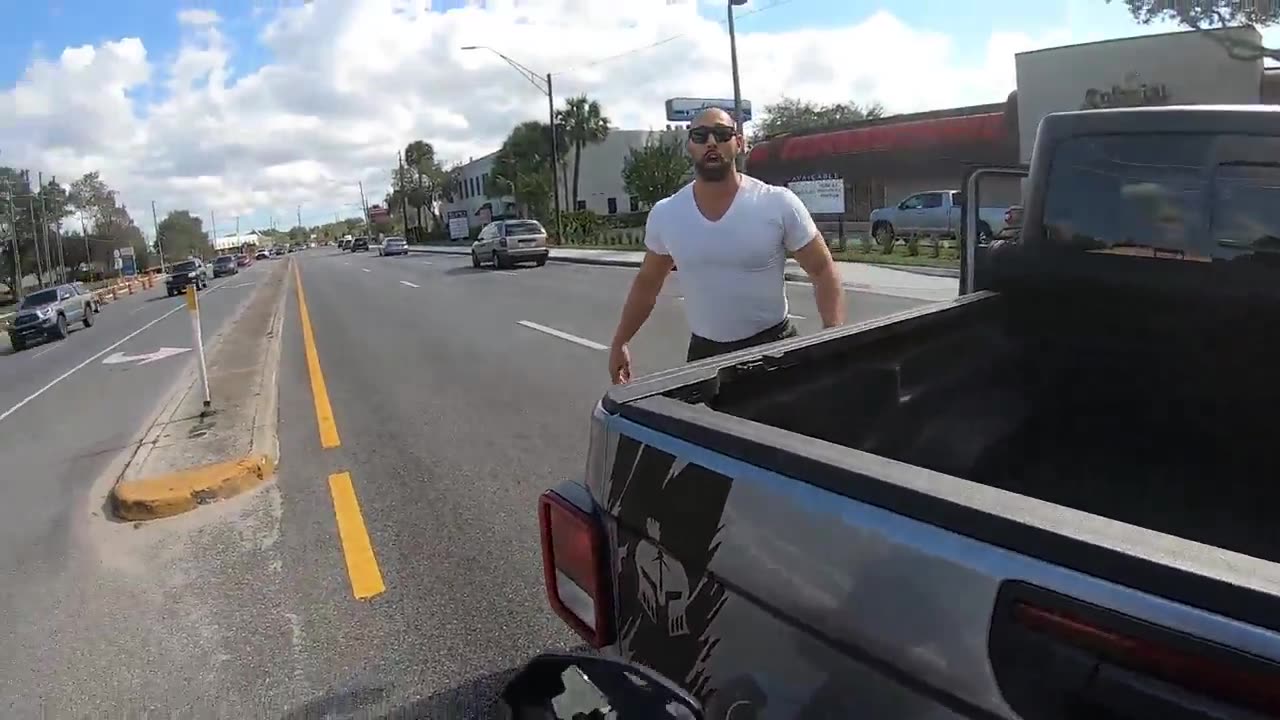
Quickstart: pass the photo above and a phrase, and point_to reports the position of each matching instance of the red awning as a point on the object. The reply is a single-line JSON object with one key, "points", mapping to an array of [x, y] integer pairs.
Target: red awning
{"points": [[961, 130]]}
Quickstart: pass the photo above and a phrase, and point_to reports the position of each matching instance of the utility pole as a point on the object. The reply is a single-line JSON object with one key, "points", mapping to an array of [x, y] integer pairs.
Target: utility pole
{"points": [[62, 255], [404, 199], [44, 227], [737, 86], [155, 221], [213, 224], [35, 238], [367, 232], [300, 222], [88, 259], [16, 291], [555, 159]]}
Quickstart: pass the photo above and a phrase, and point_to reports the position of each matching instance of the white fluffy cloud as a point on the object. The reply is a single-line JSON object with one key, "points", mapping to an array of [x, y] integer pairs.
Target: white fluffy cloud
{"points": [[349, 82]]}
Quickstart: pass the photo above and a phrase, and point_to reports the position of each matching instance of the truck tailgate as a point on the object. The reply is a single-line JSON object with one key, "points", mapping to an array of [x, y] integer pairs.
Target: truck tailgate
{"points": [[874, 588]]}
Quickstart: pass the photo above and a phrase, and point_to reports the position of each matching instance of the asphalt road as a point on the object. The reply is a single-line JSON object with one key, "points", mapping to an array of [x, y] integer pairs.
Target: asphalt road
{"points": [[458, 395]]}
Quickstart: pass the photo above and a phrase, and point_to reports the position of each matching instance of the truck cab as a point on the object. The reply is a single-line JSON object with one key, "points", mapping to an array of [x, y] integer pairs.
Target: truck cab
{"points": [[1047, 498]]}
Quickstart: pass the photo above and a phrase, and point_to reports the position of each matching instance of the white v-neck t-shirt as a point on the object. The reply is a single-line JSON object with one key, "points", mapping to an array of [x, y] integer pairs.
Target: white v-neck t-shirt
{"points": [[732, 271]]}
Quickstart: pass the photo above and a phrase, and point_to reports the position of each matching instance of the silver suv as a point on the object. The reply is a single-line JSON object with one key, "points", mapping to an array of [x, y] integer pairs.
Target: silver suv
{"points": [[507, 242]]}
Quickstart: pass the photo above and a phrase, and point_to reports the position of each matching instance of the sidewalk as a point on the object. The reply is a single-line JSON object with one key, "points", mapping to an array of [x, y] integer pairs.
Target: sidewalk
{"points": [[854, 276]]}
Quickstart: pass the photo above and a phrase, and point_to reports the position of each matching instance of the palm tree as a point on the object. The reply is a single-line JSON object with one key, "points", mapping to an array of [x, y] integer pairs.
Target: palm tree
{"points": [[584, 124], [419, 157]]}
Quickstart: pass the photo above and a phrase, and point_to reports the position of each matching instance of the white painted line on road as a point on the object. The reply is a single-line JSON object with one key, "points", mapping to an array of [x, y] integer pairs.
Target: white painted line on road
{"points": [[96, 355], [563, 335], [406, 282], [368, 270], [789, 282], [790, 315], [9, 313], [164, 352], [54, 346], [137, 310], [511, 272]]}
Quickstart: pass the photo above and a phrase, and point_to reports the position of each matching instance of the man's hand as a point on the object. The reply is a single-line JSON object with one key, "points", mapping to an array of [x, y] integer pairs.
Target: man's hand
{"points": [[620, 364]]}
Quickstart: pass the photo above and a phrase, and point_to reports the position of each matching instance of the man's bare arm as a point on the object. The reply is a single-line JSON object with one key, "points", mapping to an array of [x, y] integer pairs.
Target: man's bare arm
{"points": [[816, 260], [643, 295]]}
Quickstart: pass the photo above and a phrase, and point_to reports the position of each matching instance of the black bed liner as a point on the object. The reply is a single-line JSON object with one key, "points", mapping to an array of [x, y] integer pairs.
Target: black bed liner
{"points": [[1181, 570]]}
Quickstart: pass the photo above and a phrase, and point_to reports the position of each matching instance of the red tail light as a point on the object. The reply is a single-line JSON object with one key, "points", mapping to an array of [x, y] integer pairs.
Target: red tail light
{"points": [[1243, 680], [575, 568]]}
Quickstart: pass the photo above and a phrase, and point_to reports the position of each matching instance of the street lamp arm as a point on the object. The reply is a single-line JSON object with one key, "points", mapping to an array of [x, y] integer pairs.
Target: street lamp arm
{"points": [[534, 79]]}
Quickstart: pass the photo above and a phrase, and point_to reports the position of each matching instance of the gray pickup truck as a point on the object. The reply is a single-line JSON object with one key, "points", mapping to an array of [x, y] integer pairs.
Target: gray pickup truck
{"points": [[935, 212], [48, 314], [1052, 497]]}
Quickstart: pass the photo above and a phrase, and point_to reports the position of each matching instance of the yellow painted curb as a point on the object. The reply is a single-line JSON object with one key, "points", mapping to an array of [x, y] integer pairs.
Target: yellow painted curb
{"points": [[178, 492]]}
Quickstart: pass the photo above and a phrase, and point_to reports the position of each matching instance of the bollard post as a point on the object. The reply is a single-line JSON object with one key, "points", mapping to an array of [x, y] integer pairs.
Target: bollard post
{"points": [[193, 308]]}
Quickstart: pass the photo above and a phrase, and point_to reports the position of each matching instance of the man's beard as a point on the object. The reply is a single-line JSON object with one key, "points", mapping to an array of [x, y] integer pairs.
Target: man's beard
{"points": [[716, 172]]}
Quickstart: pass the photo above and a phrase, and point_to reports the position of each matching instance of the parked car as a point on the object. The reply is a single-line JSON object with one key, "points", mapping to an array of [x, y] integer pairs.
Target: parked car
{"points": [[188, 272], [243, 260], [360, 244], [1045, 498], [47, 314], [394, 246], [263, 255], [344, 243], [225, 265], [934, 212], [507, 242]]}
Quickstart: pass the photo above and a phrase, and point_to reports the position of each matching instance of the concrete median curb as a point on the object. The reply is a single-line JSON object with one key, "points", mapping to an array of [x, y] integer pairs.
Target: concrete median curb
{"points": [[165, 494], [183, 491]]}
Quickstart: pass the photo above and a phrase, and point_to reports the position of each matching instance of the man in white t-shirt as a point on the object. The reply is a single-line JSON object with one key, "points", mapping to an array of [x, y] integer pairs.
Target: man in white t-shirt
{"points": [[729, 234]]}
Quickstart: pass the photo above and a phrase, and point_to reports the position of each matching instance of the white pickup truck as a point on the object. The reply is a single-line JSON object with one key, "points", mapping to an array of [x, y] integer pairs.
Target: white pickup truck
{"points": [[935, 212]]}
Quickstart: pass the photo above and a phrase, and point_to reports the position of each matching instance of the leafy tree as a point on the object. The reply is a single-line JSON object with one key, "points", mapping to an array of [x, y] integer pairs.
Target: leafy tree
{"points": [[792, 115], [657, 169], [183, 235], [522, 168], [1210, 14], [583, 123]]}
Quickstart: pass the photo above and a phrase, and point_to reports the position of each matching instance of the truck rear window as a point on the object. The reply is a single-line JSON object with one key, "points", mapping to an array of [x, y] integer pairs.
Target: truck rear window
{"points": [[1162, 196]]}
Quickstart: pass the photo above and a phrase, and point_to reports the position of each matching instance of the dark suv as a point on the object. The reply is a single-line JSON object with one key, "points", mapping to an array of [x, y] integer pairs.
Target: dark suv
{"points": [[187, 272], [360, 244], [225, 265]]}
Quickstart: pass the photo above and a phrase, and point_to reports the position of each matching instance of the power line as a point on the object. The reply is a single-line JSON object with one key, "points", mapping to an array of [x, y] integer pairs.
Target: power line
{"points": [[664, 41]]}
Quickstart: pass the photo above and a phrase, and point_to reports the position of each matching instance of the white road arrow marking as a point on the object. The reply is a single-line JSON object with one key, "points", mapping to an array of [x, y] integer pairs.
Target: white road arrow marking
{"points": [[164, 352]]}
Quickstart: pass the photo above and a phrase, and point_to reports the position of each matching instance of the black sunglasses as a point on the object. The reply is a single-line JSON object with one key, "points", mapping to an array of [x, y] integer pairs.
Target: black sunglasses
{"points": [[722, 133]]}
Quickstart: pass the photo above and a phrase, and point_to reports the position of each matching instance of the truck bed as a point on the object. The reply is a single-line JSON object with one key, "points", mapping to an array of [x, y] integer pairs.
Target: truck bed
{"points": [[1131, 414], [1119, 407]]}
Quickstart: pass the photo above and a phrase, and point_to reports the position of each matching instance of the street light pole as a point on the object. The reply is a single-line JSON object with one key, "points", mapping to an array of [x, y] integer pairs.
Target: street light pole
{"points": [[537, 81], [737, 86]]}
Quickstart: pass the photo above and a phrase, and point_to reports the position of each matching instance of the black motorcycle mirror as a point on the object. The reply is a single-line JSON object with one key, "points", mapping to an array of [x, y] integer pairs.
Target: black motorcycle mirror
{"points": [[571, 686]]}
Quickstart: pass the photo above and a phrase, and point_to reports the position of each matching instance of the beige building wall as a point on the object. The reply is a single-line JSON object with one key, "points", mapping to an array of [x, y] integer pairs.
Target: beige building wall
{"points": [[1187, 68]]}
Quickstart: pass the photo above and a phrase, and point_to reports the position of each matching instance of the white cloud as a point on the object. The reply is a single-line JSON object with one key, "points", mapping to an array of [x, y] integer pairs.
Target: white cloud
{"points": [[351, 81], [194, 16]]}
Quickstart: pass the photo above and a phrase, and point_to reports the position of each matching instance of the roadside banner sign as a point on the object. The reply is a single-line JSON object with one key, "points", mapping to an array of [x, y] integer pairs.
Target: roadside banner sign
{"points": [[458, 227], [822, 197], [686, 109]]}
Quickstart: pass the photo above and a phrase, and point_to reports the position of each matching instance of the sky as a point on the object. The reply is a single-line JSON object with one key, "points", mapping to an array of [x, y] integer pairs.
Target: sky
{"points": [[261, 109]]}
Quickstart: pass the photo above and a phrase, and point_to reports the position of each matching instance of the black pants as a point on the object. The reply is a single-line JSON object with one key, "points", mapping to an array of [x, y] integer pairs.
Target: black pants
{"points": [[700, 347]]}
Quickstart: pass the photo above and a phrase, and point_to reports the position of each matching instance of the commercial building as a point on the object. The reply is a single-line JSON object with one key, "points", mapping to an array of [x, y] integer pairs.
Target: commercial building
{"points": [[240, 242], [600, 185], [883, 161]]}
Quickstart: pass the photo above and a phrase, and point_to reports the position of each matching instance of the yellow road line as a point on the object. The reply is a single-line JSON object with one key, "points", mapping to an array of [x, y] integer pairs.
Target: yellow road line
{"points": [[362, 566], [319, 391]]}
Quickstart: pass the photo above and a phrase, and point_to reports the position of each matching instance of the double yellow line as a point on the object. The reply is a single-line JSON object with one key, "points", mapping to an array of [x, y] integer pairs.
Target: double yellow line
{"points": [[357, 548]]}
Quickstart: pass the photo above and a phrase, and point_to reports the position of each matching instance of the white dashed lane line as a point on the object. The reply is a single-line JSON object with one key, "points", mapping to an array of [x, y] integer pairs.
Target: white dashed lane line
{"points": [[406, 282], [563, 335], [368, 270]]}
